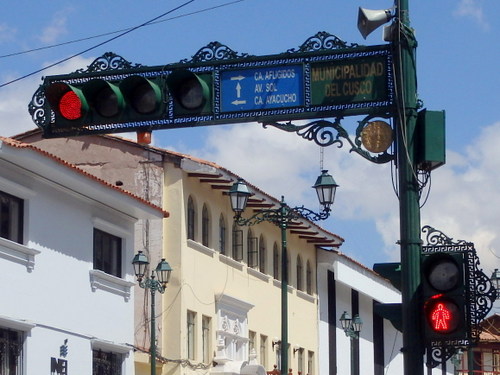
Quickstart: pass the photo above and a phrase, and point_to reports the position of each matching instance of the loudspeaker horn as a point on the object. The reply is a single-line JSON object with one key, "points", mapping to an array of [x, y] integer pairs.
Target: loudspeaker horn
{"points": [[369, 20]]}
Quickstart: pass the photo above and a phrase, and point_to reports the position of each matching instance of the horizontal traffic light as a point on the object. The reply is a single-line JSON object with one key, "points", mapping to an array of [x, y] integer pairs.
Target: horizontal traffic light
{"points": [[180, 95], [100, 101]]}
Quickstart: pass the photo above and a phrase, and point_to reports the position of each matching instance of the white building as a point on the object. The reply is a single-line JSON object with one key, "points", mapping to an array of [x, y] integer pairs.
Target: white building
{"points": [[66, 242], [345, 285]]}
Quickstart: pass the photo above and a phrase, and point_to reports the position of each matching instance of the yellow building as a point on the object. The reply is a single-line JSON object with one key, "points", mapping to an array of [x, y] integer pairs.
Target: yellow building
{"points": [[221, 312]]}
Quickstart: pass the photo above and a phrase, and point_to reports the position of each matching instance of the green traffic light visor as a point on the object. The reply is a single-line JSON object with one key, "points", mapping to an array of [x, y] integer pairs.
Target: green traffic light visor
{"points": [[143, 95], [189, 90], [106, 98]]}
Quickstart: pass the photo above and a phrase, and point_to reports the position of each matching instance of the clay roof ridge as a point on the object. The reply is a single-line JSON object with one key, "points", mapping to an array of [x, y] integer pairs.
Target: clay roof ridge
{"points": [[18, 144]]}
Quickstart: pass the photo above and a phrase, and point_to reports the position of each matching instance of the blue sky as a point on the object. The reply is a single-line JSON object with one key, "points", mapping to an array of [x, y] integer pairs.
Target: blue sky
{"points": [[457, 67]]}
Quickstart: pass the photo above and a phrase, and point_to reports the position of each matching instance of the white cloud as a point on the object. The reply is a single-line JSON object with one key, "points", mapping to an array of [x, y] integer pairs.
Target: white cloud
{"points": [[7, 33], [472, 9], [56, 28], [465, 200]]}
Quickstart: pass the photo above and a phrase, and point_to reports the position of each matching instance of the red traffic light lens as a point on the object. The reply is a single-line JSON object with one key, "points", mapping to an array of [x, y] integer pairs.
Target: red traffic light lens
{"points": [[443, 315], [70, 106]]}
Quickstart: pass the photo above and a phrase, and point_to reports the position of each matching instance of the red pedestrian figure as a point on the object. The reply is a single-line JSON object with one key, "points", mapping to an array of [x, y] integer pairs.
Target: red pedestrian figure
{"points": [[440, 317]]}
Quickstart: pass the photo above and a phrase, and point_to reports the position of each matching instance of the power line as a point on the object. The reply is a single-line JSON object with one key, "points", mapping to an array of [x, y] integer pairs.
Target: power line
{"points": [[127, 31], [117, 31], [97, 45]]}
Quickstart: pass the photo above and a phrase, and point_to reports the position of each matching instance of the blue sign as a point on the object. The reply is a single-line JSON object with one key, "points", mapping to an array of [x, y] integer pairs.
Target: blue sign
{"points": [[262, 88]]}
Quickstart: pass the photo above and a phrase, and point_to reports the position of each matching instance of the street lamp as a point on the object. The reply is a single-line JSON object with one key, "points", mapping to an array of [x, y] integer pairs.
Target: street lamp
{"points": [[352, 328], [495, 280], [282, 216], [157, 282]]}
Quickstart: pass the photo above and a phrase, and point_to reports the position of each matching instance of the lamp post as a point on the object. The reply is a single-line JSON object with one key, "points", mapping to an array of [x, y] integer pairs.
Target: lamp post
{"points": [[404, 45], [282, 216], [352, 328], [157, 282]]}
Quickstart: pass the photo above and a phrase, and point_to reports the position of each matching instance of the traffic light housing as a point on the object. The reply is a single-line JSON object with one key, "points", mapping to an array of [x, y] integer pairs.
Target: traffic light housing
{"points": [[444, 289], [101, 101]]}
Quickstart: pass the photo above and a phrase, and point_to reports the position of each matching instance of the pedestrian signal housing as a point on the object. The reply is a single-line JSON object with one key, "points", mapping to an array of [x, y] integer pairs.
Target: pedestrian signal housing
{"points": [[444, 296]]}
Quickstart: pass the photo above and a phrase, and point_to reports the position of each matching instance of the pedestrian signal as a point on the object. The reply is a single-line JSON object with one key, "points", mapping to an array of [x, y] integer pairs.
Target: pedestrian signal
{"points": [[444, 299]]}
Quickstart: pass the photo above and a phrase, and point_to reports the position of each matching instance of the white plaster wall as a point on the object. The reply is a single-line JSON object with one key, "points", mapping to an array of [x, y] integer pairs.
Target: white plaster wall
{"points": [[351, 275], [56, 295]]}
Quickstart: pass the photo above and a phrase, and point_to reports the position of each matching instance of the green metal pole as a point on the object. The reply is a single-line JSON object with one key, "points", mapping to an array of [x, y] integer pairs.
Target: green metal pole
{"points": [[410, 241], [284, 291], [153, 328]]}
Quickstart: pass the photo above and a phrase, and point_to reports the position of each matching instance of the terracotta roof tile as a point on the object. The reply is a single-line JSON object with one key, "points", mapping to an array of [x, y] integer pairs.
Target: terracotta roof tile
{"points": [[18, 144]]}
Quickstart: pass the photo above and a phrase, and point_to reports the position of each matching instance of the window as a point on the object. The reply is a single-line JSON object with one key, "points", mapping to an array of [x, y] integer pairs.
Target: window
{"points": [[191, 334], [300, 282], [205, 226], [191, 219], [11, 352], [206, 321], [495, 361], [276, 262], [106, 363], [263, 350], [251, 342], [300, 360], [222, 234], [237, 243], [107, 253], [252, 251], [262, 254], [310, 363], [11, 217], [309, 285]]}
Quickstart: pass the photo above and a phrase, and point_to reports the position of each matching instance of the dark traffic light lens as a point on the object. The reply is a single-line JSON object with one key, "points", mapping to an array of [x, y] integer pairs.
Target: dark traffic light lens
{"points": [[191, 94], [70, 106], [106, 102], [144, 99], [444, 275]]}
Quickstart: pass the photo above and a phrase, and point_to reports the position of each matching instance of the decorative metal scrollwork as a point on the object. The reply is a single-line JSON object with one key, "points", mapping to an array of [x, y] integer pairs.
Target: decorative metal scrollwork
{"points": [[37, 110], [214, 51], [108, 61], [436, 237], [283, 215], [326, 133], [321, 41], [440, 354]]}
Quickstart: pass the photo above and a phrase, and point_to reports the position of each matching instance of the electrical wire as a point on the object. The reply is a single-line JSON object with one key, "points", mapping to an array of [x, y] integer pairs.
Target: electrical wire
{"points": [[99, 44], [117, 31], [392, 351]]}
